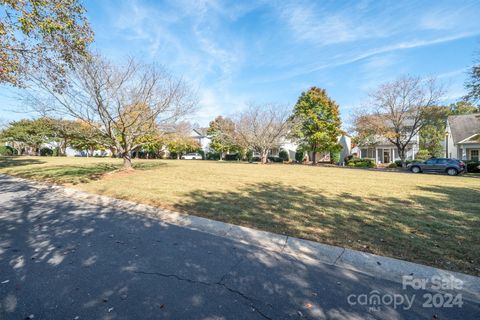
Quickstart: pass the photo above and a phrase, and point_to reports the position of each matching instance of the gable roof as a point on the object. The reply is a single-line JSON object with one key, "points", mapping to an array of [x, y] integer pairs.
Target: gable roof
{"points": [[464, 126], [201, 131]]}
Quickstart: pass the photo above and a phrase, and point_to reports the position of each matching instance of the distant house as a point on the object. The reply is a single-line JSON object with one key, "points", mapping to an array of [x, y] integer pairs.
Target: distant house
{"points": [[71, 152], [200, 135], [383, 151], [463, 137], [291, 148]]}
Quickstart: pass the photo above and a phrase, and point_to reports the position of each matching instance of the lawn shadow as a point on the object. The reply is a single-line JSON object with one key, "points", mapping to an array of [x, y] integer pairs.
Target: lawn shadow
{"points": [[69, 174], [439, 227], [65, 259], [16, 161]]}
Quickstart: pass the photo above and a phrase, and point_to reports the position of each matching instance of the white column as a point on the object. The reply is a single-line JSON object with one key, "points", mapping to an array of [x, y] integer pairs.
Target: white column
{"points": [[393, 154], [376, 155]]}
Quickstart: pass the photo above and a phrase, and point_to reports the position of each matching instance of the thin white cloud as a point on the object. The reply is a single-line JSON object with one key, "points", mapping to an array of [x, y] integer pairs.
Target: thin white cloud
{"points": [[323, 24], [341, 61]]}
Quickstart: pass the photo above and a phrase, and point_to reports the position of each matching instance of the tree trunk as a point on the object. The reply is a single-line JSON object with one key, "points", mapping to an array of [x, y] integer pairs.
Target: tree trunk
{"points": [[401, 154], [127, 161], [264, 157], [63, 148], [114, 152], [314, 158]]}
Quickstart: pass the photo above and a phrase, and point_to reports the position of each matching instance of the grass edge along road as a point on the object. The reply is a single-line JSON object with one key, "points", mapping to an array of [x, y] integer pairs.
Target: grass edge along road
{"points": [[424, 218]]}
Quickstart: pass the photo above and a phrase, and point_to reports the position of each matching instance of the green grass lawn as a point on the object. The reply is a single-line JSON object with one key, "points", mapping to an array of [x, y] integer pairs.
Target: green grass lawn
{"points": [[425, 218]]}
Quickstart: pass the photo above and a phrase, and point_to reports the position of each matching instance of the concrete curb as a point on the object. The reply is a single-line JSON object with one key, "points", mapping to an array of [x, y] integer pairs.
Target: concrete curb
{"points": [[308, 251]]}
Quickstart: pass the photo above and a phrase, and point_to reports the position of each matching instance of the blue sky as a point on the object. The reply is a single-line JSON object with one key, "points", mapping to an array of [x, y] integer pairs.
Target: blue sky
{"points": [[235, 52]]}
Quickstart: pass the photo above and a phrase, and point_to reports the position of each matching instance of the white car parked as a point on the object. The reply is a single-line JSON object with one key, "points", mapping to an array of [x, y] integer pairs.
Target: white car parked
{"points": [[192, 156]]}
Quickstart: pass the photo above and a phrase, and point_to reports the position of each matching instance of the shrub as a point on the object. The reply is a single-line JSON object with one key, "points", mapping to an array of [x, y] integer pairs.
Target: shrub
{"points": [[364, 163], [213, 156], [249, 155], [473, 166], [422, 155], [399, 163], [46, 152], [335, 156], [7, 151], [275, 159], [283, 154], [232, 157], [392, 165], [348, 158], [202, 153], [299, 155]]}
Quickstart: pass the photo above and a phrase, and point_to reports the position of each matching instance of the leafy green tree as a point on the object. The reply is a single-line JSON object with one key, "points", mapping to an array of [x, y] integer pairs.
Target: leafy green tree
{"points": [[151, 146], [222, 134], [26, 135], [463, 107], [85, 138], [431, 138], [180, 145], [179, 140], [473, 83], [41, 35], [432, 132], [318, 121], [473, 86], [62, 132], [422, 155]]}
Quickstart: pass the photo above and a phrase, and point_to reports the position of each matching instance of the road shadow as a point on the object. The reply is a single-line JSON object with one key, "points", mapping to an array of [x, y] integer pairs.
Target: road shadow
{"points": [[65, 259]]}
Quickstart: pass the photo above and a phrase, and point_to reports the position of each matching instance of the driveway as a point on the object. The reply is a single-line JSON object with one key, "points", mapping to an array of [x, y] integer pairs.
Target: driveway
{"points": [[65, 259]]}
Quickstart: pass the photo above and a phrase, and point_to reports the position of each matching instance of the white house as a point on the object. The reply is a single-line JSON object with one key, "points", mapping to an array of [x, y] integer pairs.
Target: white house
{"points": [[200, 135], [463, 137], [383, 151], [344, 140]]}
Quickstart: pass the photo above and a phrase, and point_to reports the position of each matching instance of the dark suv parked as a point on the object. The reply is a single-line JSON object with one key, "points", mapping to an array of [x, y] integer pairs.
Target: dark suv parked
{"points": [[450, 166]]}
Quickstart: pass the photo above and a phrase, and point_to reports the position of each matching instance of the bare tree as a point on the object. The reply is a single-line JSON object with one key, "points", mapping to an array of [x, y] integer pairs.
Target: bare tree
{"points": [[123, 104], [397, 112], [262, 128]]}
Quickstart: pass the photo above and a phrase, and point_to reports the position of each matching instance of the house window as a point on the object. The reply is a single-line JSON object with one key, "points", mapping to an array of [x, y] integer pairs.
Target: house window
{"points": [[474, 155]]}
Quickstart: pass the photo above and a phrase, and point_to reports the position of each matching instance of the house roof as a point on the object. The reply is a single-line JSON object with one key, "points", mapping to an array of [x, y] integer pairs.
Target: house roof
{"points": [[464, 126], [201, 131]]}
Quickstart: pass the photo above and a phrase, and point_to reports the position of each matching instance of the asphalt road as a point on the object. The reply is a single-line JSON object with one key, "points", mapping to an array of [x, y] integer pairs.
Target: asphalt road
{"points": [[65, 259]]}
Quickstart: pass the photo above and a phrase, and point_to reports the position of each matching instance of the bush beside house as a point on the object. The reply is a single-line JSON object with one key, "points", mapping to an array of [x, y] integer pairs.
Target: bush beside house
{"points": [[422, 155], [473, 166], [7, 151], [46, 152], [362, 163], [283, 155]]}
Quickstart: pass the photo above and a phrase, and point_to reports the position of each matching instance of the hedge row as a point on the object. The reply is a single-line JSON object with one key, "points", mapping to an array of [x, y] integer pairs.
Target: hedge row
{"points": [[473, 166], [7, 151], [363, 163]]}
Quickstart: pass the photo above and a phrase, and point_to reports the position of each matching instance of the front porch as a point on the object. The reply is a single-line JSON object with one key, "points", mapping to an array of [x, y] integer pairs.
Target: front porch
{"points": [[470, 152], [385, 154]]}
